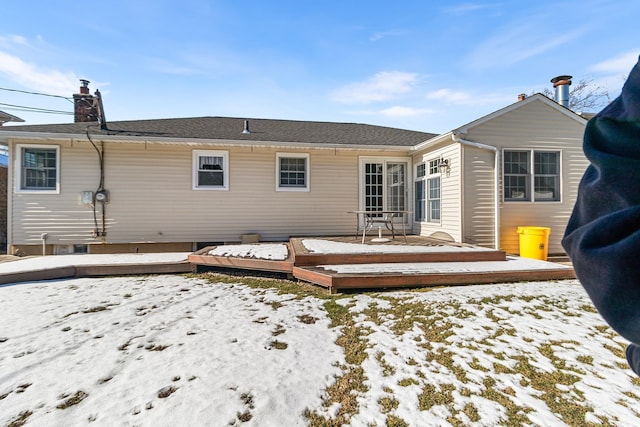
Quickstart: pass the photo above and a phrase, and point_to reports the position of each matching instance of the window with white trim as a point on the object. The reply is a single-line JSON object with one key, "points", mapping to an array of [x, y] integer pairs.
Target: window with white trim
{"points": [[420, 194], [427, 192], [433, 192], [292, 172], [531, 172], [39, 169], [210, 170]]}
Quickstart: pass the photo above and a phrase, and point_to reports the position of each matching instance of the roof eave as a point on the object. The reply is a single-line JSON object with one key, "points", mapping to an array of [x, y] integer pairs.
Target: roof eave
{"points": [[535, 97], [445, 137], [7, 136]]}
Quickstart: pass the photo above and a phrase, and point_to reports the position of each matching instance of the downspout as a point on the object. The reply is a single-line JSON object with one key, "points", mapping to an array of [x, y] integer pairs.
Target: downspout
{"points": [[496, 196], [10, 192]]}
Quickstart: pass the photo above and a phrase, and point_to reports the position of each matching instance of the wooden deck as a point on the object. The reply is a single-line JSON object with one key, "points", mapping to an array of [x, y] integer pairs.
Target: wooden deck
{"points": [[316, 267], [97, 270]]}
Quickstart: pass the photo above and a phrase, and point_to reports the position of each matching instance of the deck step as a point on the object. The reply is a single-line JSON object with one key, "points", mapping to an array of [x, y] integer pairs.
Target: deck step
{"points": [[322, 268], [337, 281]]}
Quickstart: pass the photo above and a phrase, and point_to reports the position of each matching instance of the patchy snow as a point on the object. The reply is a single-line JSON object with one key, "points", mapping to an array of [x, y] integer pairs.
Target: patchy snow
{"points": [[512, 263], [171, 350], [271, 251], [54, 261], [123, 340], [330, 247], [490, 325]]}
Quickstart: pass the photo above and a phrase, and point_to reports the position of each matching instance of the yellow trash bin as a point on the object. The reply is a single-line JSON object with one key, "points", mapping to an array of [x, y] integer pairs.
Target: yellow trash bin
{"points": [[534, 242]]}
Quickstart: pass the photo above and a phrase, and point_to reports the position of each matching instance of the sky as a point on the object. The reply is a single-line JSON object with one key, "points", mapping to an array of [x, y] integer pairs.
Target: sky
{"points": [[422, 65]]}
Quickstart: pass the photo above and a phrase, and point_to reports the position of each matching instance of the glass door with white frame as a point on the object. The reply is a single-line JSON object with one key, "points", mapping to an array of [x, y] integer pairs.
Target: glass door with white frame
{"points": [[384, 186]]}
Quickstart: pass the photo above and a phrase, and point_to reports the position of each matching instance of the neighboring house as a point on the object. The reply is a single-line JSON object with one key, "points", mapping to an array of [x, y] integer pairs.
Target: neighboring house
{"points": [[6, 117], [180, 184], [3, 208]]}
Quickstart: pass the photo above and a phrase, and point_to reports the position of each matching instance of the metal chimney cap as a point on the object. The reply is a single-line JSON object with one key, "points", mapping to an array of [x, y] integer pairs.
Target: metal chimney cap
{"points": [[561, 80]]}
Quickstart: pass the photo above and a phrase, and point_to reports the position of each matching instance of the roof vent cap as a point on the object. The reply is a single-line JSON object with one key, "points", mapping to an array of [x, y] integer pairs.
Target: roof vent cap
{"points": [[246, 127]]}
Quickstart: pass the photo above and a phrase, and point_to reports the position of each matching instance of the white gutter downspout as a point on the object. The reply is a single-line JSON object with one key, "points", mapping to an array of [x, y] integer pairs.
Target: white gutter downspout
{"points": [[455, 137]]}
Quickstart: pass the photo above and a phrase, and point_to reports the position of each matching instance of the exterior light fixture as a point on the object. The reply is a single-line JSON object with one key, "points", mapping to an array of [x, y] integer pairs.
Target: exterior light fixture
{"points": [[443, 165]]}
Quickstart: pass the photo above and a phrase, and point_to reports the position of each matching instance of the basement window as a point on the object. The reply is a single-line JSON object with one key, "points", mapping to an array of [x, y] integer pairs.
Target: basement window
{"points": [[210, 170], [39, 169]]}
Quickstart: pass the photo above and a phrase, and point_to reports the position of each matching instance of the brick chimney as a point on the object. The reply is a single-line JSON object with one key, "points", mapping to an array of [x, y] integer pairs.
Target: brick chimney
{"points": [[85, 105]]}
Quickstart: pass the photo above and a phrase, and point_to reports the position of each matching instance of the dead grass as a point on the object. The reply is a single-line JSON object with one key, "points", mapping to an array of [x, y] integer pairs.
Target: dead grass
{"points": [[431, 326], [156, 347], [167, 391], [278, 345], [20, 419], [77, 397], [350, 384]]}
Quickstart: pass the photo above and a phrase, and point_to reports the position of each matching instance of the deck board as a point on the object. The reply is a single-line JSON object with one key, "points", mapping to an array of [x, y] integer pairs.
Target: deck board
{"points": [[337, 281], [303, 265], [279, 266], [303, 257]]}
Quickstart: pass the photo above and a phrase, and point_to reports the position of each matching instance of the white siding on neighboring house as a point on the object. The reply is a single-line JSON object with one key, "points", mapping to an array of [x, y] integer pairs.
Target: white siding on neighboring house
{"points": [[536, 126]]}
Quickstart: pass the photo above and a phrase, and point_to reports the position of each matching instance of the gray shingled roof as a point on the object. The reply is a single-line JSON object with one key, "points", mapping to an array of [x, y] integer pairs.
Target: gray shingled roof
{"points": [[226, 128]]}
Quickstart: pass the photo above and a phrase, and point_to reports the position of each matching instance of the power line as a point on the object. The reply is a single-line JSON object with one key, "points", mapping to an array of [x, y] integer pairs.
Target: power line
{"points": [[34, 109], [37, 93]]}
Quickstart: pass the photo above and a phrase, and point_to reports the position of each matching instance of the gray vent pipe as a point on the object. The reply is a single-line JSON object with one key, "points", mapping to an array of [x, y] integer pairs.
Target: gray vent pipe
{"points": [[561, 85]]}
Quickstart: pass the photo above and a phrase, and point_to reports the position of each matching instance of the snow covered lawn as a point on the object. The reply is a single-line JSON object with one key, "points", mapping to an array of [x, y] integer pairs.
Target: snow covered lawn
{"points": [[177, 350], [161, 350]]}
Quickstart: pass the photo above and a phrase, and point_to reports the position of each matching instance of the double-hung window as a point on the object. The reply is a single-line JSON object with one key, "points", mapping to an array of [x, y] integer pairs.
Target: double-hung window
{"points": [[292, 172], [39, 169], [427, 192], [531, 175], [433, 192], [210, 170], [420, 193]]}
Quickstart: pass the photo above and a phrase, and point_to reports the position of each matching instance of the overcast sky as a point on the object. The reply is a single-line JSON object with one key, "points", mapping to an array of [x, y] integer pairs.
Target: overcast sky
{"points": [[423, 65]]}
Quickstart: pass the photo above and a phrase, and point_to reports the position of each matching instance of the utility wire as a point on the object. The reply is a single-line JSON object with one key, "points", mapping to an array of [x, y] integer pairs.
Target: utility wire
{"points": [[33, 109], [68, 98]]}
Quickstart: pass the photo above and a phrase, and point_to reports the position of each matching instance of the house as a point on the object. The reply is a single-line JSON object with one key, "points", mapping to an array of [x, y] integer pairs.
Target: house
{"points": [[3, 208], [518, 166], [181, 184], [6, 117]]}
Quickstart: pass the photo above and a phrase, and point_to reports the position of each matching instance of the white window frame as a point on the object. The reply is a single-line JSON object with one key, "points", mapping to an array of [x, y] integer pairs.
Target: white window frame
{"points": [[433, 175], [408, 187], [307, 176], [19, 162], [420, 205], [531, 176], [225, 169]]}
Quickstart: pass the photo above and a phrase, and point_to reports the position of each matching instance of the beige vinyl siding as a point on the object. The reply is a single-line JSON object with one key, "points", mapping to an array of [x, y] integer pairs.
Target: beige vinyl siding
{"points": [[479, 197], [152, 200], [450, 196], [61, 216], [536, 126]]}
